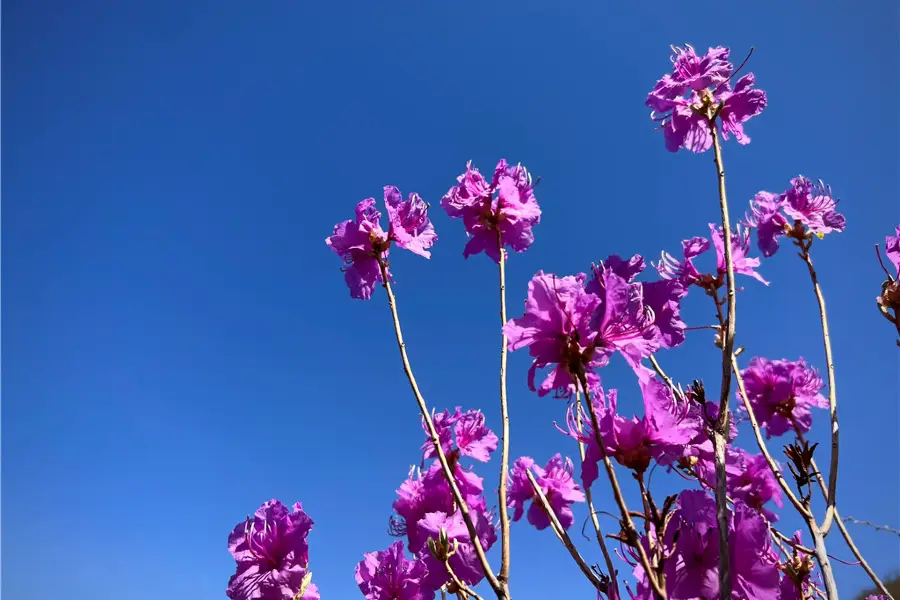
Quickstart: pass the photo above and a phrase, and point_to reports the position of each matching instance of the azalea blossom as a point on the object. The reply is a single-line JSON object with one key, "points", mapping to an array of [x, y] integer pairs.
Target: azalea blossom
{"points": [[272, 554], [389, 575], [505, 207], [782, 392], [555, 481], [464, 560], [473, 438], [892, 249]]}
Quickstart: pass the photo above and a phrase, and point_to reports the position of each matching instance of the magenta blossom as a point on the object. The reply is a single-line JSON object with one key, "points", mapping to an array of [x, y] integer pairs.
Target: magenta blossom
{"points": [[428, 492], [556, 330], [389, 575], [892, 248], [506, 208], [473, 438], [796, 583], [686, 273], [698, 92], [749, 479], [810, 206], [364, 245], [661, 434], [740, 247], [272, 554], [557, 484], [782, 393], [464, 561]]}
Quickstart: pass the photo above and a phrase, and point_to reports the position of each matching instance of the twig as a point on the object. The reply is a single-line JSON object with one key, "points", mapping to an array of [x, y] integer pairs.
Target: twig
{"points": [[504, 414], [590, 502], [831, 497], [658, 590], [822, 558], [872, 525], [843, 529], [498, 588], [721, 429], [564, 536]]}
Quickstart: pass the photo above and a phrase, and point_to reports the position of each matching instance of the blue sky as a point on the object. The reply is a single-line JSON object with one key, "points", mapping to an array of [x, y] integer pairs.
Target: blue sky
{"points": [[179, 345]]}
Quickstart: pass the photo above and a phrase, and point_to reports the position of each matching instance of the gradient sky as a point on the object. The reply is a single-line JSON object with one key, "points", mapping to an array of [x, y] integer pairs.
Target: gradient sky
{"points": [[179, 345]]}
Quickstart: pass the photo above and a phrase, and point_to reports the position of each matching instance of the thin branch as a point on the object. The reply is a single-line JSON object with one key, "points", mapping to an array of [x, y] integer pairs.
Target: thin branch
{"points": [[582, 451], [822, 558], [462, 587], [504, 414], [658, 590], [721, 429], [831, 497], [495, 584], [563, 536], [872, 525]]}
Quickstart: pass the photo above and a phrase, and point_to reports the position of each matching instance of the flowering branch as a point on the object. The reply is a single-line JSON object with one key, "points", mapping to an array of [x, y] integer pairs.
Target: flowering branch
{"points": [[831, 497], [499, 589], [720, 431], [504, 415], [564, 537], [590, 502], [628, 523]]}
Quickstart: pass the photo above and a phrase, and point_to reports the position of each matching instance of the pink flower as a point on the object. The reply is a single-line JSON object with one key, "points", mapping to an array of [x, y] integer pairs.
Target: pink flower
{"points": [[557, 484]]}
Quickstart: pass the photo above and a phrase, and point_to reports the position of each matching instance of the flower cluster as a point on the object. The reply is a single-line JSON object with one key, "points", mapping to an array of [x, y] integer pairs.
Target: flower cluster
{"points": [[810, 206], [364, 245], [498, 214], [272, 555], [782, 392], [697, 96], [574, 325], [473, 438], [556, 483]]}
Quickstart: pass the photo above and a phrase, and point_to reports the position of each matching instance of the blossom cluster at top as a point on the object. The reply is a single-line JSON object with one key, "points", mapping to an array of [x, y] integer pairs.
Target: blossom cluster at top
{"points": [[697, 95]]}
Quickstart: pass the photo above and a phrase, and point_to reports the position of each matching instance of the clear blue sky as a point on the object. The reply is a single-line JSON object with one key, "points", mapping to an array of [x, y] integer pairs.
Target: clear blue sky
{"points": [[179, 345]]}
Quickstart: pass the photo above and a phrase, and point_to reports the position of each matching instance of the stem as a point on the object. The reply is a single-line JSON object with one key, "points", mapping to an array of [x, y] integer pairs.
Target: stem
{"points": [[563, 536], [822, 559], [843, 529], [658, 591], [590, 502], [831, 497], [504, 412], [721, 429], [761, 443], [498, 588], [462, 587]]}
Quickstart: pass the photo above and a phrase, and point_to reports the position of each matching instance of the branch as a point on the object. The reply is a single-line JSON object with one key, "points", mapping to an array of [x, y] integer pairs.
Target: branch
{"points": [[658, 591], [720, 431], [504, 413], [498, 588], [872, 525], [563, 536], [831, 497]]}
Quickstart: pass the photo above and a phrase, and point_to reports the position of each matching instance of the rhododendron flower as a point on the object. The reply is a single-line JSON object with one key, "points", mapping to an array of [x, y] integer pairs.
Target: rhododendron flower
{"points": [[782, 393], [473, 438], [556, 330], [810, 206], [363, 243], [428, 492], [692, 570], [697, 89], [740, 247], [555, 481], [389, 575], [662, 433], [892, 249], [683, 271], [796, 582], [464, 561], [505, 207], [749, 479], [272, 554], [686, 273]]}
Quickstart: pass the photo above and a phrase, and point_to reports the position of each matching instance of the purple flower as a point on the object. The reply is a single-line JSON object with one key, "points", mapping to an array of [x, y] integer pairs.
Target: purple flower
{"points": [[740, 247], [410, 226], [464, 561], [765, 215], [749, 479], [697, 92], [389, 575], [363, 244], [813, 205], [662, 433], [692, 570], [892, 248], [683, 272], [272, 554], [505, 207], [796, 584], [428, 492], [782, 393], [739, 105], [556, 330], [473, 438], [557, 483]]}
